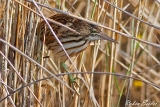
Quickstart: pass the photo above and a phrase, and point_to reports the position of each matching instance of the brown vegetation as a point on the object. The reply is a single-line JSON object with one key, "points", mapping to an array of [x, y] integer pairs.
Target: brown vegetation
{"points": [[107, 74]]}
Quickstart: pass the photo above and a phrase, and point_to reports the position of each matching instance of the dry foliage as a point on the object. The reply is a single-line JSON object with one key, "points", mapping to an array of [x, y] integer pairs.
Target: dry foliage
{"points": [[107, 74]]}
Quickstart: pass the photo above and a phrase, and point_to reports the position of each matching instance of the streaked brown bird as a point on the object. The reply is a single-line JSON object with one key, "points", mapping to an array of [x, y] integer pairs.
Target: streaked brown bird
{"points": [[72, 42]]}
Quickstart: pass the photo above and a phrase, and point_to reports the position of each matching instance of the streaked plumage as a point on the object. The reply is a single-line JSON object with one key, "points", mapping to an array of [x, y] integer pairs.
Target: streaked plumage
{"points": [[72, 42]]}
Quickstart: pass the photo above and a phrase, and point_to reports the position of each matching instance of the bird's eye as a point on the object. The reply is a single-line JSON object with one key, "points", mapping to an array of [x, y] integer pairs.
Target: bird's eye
{"points": [[94, 30]]}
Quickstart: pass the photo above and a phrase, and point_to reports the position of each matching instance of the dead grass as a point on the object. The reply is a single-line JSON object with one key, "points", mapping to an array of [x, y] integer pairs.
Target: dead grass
{"points": [[108, 74]]}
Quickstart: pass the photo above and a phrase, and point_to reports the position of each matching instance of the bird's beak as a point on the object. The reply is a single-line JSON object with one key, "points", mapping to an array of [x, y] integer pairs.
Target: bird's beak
{"points": [[105, 37]]}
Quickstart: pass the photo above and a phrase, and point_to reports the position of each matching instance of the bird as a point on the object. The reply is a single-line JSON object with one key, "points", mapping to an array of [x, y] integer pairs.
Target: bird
{"points": [[72, 42]]}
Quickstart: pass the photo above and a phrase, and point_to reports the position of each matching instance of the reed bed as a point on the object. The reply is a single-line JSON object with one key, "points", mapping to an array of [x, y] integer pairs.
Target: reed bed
{"points": [[105, 74]]}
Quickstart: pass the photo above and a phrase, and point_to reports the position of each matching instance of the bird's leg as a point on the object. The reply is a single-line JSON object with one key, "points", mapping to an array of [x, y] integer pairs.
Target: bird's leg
{"points": [[72, 80]]}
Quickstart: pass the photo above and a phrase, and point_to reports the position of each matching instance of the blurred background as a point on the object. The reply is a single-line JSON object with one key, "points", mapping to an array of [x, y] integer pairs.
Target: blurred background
{"points": [[128, 73]]}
